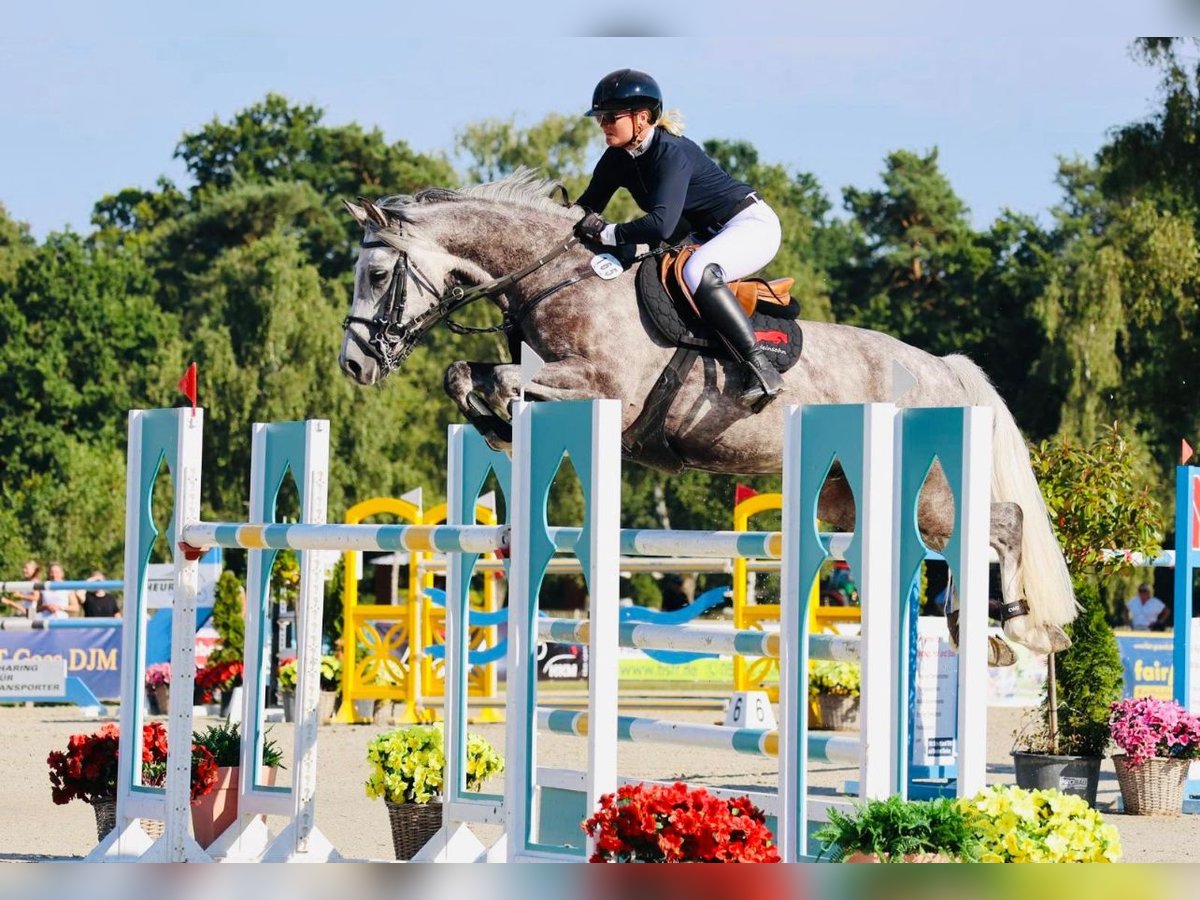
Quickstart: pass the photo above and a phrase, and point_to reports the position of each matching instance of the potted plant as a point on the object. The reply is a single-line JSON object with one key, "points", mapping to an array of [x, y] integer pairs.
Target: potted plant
{"points": [[87, 770], [158, 685], [659, 823], [833, 693], [1159, 739], [898, 830], [331, 683], [407, 767], [286, 676], [1068, 743], [1016, 825], [1096, 502], [218, 809]]}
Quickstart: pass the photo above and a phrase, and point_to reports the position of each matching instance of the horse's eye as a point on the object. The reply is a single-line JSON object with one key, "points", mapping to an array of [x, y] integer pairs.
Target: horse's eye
{"points": [[378, 276]]}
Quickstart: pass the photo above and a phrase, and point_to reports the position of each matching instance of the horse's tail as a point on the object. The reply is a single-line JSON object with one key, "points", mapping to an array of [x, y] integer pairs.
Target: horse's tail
{"points": [[1042, 577]]}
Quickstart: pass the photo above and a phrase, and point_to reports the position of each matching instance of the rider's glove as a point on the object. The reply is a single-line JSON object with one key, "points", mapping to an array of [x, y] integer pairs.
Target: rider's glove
{"points": [[591, 228]]}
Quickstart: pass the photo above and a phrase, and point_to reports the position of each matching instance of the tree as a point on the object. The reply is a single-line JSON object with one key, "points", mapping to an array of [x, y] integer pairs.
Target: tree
{"points": [[916, 262]]}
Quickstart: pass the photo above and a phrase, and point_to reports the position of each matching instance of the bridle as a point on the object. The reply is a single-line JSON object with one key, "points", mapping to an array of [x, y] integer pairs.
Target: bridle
{"points": [[390, 342]]}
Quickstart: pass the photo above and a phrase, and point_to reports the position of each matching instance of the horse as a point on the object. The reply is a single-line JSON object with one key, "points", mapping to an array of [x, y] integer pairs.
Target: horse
{"points": [[509, 242]]}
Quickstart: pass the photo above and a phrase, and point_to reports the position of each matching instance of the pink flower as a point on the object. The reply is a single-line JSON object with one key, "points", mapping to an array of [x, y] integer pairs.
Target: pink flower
{"points": [[1146, 727]]}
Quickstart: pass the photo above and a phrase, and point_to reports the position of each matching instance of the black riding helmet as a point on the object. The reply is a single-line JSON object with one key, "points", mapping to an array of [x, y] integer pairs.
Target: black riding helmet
{"points": [[626, 89]]}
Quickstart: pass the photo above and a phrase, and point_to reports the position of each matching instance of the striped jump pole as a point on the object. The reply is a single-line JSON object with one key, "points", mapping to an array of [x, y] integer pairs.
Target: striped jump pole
{"points": [[702, 639], [747, 741]]}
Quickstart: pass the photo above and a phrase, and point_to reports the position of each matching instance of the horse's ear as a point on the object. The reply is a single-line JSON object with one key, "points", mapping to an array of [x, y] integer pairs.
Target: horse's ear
{"points": [[374, 213], [359, 214]]}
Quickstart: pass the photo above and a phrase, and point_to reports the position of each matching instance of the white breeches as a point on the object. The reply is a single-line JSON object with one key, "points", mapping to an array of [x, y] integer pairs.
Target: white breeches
{"points": [[748, 242]]}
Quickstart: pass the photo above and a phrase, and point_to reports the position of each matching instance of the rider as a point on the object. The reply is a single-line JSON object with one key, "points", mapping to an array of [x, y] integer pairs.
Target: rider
{"points": [[672, 179]]}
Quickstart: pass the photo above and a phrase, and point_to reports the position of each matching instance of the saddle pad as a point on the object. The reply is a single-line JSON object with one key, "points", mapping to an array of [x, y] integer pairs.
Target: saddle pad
{"points": [[781, 338]]}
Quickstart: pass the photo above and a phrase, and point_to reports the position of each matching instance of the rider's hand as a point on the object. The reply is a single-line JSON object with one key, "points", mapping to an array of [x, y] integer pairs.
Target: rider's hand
{"points": [[590, 227]]}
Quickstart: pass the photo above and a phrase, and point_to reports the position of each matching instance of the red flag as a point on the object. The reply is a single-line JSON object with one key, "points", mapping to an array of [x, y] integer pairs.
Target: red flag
{"points": [[1185, 451], [742, 492], [187, 384]]}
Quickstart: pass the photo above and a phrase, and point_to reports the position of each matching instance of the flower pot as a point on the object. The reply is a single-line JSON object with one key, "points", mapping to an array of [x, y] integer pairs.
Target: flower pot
{"points": [[218, 809], [1075, 775], [328, 706], [836, 712], [287, 699], [162, 697], [1153, 788], [413, 826]]}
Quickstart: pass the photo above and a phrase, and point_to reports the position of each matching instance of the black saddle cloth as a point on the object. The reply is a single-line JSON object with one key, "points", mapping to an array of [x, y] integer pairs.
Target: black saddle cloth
{"points": [[677, 324]]}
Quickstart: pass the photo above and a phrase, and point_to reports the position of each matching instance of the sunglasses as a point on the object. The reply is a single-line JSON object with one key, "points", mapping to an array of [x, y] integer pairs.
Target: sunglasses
{"points": [[611, 118]]}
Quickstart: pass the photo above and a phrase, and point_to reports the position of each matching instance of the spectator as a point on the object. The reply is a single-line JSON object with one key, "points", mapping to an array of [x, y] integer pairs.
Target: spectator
{"points": [[25, 602], [100, 603], [1145, 612], [57, 604], [840, 590]]}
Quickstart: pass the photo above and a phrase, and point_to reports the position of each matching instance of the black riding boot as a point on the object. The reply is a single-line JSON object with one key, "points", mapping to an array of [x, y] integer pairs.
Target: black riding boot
{"points": [[720, 309]]}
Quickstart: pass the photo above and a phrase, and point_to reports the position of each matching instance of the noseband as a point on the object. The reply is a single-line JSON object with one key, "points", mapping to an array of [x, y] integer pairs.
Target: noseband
{"points": [[390, 341]]}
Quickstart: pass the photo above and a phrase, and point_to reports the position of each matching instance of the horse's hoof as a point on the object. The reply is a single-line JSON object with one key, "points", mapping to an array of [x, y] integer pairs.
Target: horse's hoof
{"points": [[495, 431], [999, 653]]}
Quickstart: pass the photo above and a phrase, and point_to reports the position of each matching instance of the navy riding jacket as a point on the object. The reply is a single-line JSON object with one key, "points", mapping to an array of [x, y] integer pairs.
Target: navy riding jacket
{"points": [[672, 180]]}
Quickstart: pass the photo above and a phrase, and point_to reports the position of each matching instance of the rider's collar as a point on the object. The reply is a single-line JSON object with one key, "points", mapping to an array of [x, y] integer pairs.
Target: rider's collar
{"points": [[641, 148]]}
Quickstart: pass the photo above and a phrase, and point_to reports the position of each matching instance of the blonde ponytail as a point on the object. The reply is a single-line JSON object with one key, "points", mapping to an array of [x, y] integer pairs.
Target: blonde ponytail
{"points": [[671, 121]]}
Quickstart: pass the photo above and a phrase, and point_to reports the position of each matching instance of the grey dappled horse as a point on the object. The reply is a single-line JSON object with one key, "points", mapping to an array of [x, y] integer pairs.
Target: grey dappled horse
{"points": [[426, 255]]}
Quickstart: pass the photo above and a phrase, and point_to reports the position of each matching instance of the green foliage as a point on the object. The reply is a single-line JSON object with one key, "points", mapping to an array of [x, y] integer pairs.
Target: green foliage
{"points": [[227, 619], [1099, 497], [894, 828], [1098, 500], [224, 742]]}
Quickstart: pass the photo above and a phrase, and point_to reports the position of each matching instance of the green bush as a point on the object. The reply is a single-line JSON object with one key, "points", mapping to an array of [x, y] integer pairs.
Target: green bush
{"points": [[894, 828], [227, 619]]}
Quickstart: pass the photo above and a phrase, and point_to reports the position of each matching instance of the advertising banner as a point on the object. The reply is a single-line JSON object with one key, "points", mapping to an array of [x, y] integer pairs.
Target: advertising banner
{"points": [[92, 654]]}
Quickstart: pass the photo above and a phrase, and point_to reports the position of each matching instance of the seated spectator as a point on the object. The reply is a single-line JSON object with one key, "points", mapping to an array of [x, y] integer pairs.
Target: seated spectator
{"points": [[57, 604], [1145, 612]]}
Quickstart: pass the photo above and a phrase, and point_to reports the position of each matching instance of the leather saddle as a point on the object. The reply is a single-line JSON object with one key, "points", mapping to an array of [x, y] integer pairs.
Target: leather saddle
{"points": [[749, 291], [670, 312]]}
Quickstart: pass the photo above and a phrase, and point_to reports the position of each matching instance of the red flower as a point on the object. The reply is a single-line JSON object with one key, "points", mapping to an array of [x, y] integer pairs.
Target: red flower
{"points": [[87, 771], [675, 823]]}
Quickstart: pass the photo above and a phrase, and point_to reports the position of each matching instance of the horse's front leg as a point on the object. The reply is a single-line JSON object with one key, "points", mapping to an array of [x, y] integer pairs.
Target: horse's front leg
{"points": [[484, 393]]}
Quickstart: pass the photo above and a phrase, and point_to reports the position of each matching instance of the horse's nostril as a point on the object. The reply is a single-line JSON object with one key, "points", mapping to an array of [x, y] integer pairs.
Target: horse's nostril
{"points": [[351, 368]]}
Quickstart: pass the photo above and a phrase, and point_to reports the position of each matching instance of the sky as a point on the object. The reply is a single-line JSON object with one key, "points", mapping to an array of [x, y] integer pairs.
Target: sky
{"points": [[94, 100]]}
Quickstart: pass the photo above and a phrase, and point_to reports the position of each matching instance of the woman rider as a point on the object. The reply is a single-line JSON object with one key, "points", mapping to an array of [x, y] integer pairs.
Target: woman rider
{"points": [[677, 185]]}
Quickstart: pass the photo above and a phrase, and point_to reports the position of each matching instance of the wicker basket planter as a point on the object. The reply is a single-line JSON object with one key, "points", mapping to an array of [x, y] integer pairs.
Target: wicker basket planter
{"points": [[836, 712], [106, 820], [106, 817], [413, 825], [1155, 788]]}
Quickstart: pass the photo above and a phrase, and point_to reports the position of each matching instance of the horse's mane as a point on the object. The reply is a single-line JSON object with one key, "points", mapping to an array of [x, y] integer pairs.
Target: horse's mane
{"points": [[524, 187]]}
